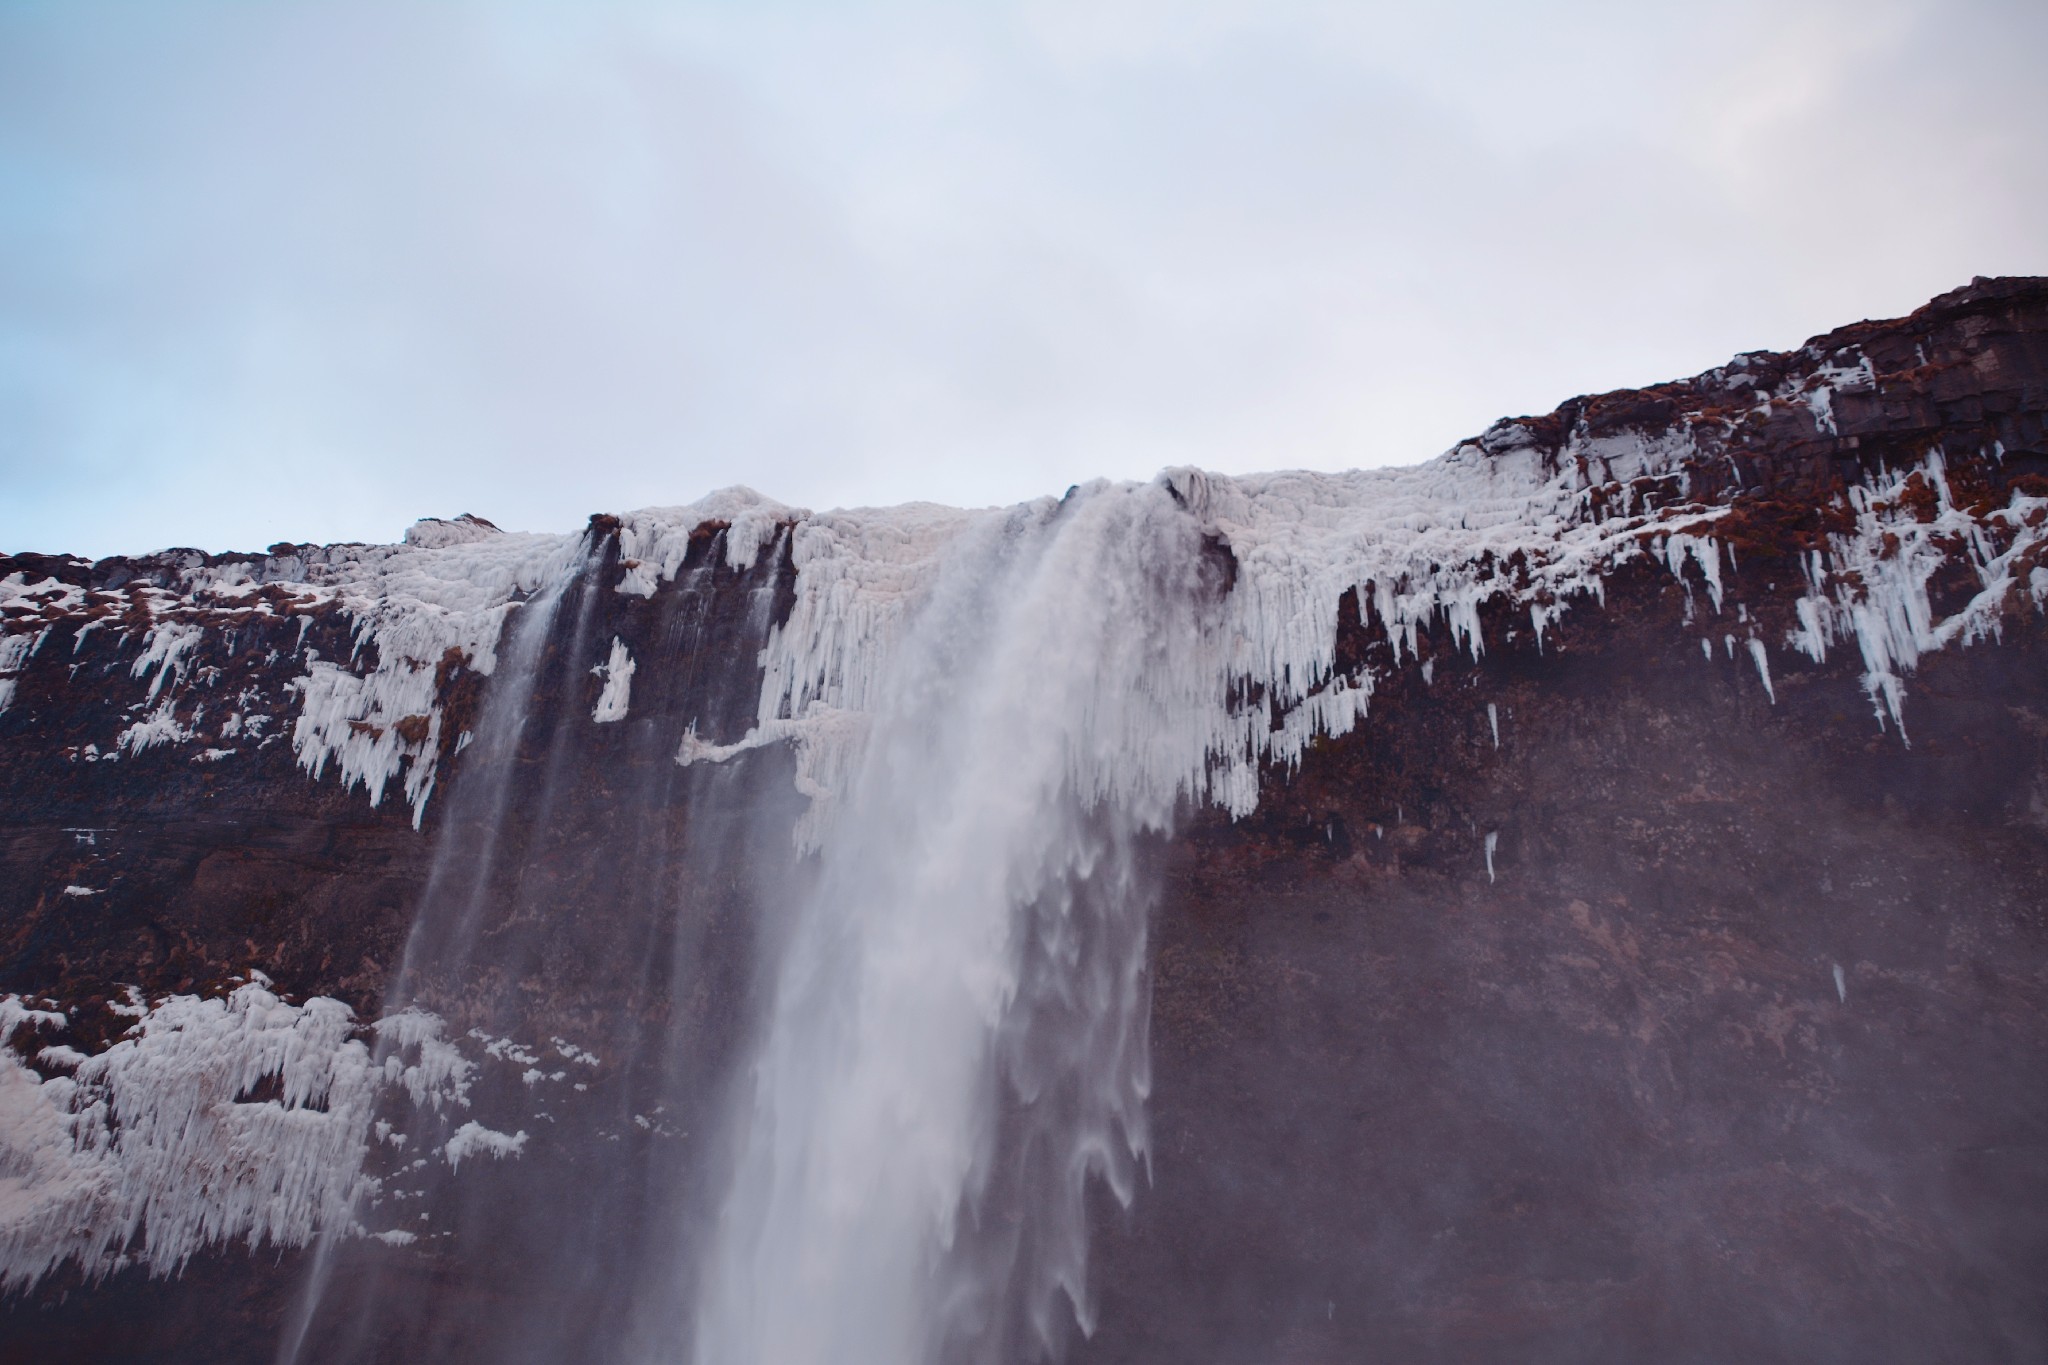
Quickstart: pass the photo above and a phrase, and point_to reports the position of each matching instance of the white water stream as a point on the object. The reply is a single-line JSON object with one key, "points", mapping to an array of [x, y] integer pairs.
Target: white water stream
{"points": [[974, 945]]}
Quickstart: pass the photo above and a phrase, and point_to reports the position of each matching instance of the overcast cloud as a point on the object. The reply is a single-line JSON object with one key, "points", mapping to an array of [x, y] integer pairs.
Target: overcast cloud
{"points": [[308, 272]]}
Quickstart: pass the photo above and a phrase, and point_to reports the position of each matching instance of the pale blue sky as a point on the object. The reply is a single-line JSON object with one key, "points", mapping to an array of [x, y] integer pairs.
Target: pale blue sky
{"points": [[309, 271]]}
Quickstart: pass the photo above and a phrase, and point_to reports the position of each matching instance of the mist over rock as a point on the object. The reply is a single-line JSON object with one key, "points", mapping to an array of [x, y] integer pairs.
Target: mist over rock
{"points": [[1576, 899]]}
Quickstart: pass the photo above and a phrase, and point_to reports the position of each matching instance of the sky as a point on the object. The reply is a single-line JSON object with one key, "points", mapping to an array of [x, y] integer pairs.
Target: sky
{"points": [[280, 271]]}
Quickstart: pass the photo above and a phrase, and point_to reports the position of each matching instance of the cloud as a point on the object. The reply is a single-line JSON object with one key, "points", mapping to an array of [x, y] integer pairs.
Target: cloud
{"points": [[310, 271]]}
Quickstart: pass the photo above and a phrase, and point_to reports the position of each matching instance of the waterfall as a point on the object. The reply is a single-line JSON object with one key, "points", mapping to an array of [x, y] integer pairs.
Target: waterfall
{"points": [[440, 945], [828, 842], [578, 878], [955, 1041]]}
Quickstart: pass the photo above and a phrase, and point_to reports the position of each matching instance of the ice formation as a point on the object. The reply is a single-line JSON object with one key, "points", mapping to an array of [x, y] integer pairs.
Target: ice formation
{"points": [[1874, 583], [414, 611], [158, 727], [160, 1146], [1431, 543], [472, 1139], [15, 651], [654, 541], [1760, 656], [437, 533], [1502, 519], [164, 651], [617, 672], [415, 608], [1421, 546]]}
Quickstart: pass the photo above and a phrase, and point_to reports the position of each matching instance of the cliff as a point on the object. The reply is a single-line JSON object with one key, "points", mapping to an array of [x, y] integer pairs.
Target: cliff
{"points": [[1593, 886]]}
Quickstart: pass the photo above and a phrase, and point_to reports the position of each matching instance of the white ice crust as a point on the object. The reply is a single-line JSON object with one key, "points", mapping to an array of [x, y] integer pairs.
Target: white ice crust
{"points": [[437, 533], [15, 652], [1872, 585], [154, 1149], [217, 1119], [411, 607], [617, 672], [1421, 547], [1424, 547]]}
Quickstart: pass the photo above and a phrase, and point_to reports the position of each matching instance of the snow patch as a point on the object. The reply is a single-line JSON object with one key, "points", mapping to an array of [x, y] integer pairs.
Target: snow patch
{"points": [[473, 1138], [570, 1052]]}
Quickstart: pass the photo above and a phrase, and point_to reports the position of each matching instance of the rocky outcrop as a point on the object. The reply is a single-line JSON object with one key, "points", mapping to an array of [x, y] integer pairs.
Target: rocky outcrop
{"points": [[1649, 975]]}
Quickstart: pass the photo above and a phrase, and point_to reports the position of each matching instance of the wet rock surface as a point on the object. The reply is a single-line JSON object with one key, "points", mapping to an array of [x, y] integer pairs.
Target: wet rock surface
{"points": [[1654, 1015]]}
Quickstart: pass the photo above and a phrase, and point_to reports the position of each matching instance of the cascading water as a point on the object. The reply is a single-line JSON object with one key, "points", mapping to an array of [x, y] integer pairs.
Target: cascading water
{"points": [[955, 1043], [541, 1256], [484, 801], [439, 948], [788, 902], [855, 1100], [951, 1040]]}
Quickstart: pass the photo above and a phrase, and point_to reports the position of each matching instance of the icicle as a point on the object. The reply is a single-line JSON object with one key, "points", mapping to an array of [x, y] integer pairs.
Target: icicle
{"points": [[1883, 568], [147, 1153], [1763, 667]]}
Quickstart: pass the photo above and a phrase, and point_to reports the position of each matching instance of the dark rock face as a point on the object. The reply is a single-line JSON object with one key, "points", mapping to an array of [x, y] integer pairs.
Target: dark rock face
{"points": [[1613, 1102], [1612, 1105], [200, 870], [1657, 1015]]}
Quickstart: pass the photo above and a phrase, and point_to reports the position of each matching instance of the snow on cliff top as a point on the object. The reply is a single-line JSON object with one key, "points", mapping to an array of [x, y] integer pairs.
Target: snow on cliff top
{"points": [[1535, 522]]}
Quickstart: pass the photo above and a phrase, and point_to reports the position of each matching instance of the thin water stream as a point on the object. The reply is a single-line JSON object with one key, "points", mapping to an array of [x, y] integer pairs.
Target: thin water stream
{"points": [[584, 893]]}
